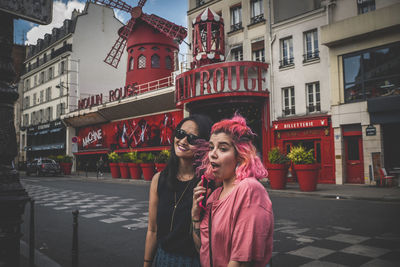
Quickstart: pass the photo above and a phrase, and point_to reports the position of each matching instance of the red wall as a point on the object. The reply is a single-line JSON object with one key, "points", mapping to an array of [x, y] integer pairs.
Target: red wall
{"points": [[149, 131]]}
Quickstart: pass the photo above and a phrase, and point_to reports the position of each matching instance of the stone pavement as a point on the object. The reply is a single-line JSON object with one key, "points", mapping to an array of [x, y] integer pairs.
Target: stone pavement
{"points": [[345, 191]]}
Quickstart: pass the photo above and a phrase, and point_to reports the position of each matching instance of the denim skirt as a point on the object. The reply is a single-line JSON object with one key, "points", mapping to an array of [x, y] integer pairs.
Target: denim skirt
{"points": [[166, 259]]}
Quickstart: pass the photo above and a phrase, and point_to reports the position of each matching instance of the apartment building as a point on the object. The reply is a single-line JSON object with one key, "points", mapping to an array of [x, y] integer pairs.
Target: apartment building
{"points": [[363, 38], [300, 88], [61, 68]]}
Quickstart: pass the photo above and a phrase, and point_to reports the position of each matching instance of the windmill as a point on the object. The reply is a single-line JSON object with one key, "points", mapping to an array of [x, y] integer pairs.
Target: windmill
{"points": [[146, 37]]}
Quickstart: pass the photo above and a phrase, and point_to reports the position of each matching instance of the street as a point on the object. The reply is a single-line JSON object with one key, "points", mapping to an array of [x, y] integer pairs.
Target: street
{"points": [[309, 231]]}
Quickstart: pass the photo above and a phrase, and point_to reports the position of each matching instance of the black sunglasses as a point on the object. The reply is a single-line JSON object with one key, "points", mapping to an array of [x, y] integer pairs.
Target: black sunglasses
{"points": [[191, 138]]}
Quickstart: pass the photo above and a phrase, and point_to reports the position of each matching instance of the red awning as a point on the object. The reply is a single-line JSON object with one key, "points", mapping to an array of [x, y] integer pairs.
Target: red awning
{"points": [[91, 152]]}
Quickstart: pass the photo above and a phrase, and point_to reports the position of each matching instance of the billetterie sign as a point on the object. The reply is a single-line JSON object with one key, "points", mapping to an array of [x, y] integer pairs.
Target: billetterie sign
{"points": [[222, 78]]}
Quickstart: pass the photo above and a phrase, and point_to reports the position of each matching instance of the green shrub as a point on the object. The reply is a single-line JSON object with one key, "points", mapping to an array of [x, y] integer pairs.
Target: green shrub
{"points": [[147, 157], [67, 159], [132, 157], [275, 156], [162, 157], [299, 155], [114, 157]]}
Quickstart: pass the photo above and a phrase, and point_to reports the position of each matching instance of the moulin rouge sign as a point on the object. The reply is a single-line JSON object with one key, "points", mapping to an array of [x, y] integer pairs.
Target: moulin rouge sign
{"points": [[223, 78], [116, 94]]}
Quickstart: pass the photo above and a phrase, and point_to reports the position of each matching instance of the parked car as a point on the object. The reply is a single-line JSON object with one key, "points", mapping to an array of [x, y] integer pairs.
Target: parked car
{"points": [[43, 166]]}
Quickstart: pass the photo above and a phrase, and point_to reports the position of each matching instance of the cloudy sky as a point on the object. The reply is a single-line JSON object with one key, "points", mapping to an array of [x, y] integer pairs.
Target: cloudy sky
{"points": [[28, 33]]}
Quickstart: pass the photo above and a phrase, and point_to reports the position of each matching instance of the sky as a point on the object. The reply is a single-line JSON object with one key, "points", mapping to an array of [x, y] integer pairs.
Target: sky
{"points": [[26, 32]]}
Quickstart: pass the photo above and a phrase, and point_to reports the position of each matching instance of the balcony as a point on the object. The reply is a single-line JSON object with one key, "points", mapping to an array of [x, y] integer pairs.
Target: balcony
{"points": [[236, 27], [256, 19], [311, 56], [286, 62]]}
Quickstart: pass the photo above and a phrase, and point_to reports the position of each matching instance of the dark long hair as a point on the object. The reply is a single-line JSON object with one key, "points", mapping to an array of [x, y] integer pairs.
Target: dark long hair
{"points": [[204, 124]]}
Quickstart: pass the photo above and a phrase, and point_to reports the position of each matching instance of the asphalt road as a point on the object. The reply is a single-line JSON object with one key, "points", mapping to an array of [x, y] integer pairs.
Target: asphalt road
{"points": [[309, 231]]}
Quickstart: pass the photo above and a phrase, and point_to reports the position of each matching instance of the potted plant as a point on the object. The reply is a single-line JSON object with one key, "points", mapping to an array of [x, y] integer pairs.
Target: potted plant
{"points": [[305, 167], [161, 159], [134, 165], [65, 162], [123, 166], [114, 168], [147, 165], [277, 168]]}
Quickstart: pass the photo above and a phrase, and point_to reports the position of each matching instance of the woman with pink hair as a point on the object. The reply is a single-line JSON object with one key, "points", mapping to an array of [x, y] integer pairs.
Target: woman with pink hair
{"points": [[237, 226]]}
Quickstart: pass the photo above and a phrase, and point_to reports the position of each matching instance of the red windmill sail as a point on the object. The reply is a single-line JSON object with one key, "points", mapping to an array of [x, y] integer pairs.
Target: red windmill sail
{"points": [[171, 30]]}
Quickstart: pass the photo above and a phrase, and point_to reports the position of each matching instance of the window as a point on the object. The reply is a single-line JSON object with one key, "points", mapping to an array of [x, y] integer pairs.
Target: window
{"points": [[142, 49], [61, 67], [48, 94], [155, 61], [34, 80], [41, 117], [200, 2], [365, 6], [60, 109], [372, 73], [286, 52], [26, 120], [257, 13], [41, 77], [61, 90], [50, 73], [33, 118], [311, 46], [142, 62], [41, 96], [168, 63], [26, 102], [236, 18], [258, 51], [313, 97], [44, 58], [131, 63], [288, 101], [237, 53], [49, 114], [27, 84], [155, 48], [34, 98]]}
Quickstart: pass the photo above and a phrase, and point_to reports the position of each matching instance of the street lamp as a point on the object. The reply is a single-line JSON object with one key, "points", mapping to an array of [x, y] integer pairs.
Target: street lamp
{"points": [[13, 196]]}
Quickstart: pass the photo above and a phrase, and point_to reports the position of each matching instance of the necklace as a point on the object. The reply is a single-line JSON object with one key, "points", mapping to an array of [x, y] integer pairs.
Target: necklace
{"points": [[176, 203]]}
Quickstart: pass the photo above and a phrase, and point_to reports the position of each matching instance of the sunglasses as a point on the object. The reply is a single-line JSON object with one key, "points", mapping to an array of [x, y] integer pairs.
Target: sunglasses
{"points": [[191, 138]]}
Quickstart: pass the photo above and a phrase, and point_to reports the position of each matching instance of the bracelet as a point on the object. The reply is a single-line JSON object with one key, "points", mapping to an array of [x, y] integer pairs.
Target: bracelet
{"points": [[148, 260], [195, 221]]}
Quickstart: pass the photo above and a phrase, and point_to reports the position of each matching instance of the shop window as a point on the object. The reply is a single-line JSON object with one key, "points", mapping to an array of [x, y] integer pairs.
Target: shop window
{"points": [[258, 51], [365, 6], [372, 73], [287, 58], [311, 51], [155, 61], [257, 13], [131, 63], [237, 53], [313, 97], [168, 63], [142, 62], [288, 101], [236, 18]]}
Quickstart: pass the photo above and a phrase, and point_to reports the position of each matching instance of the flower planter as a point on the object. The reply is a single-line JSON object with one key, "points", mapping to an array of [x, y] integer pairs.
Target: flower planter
{"points": [[66, 167], [134, 170], [277, 175], [148, 170], [123, 168], [114, 168], [160, 166], [307, 175]]}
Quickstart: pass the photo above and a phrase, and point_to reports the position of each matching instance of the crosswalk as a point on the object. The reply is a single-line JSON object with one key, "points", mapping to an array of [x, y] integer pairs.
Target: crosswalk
{"points": [[129, 213]]}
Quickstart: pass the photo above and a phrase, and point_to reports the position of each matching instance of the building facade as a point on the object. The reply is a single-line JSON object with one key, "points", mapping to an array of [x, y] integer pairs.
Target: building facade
{"points": [[61, 68], [300, 95], [363, 38]]}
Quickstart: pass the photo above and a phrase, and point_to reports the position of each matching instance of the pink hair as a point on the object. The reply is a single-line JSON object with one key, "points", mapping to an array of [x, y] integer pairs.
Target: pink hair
{"points": [[250, 164]]}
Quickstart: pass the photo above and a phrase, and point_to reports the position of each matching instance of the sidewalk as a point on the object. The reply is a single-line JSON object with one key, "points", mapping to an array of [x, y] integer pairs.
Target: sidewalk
{"points": [[346, 191]]}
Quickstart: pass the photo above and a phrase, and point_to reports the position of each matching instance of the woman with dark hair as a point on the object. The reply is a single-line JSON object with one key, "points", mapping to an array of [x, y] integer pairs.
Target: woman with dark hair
{"points": [[169, 241], [238, 223]]}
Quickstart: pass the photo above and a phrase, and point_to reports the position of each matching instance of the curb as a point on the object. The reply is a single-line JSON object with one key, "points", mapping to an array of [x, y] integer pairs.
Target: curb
{"points": [[40, 259]]}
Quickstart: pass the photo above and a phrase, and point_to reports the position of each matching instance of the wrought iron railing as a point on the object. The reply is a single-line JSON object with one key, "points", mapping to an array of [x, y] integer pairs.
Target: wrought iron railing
{"points": [[310, 56], [257, 19], [285, 62]]}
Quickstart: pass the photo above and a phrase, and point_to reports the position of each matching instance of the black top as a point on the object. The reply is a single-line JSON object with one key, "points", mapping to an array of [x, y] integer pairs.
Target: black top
{"points": [[179, 240]]}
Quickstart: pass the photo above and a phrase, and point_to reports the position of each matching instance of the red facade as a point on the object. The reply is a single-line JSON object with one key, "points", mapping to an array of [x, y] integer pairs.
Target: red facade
{"points": [[144, 132], [312, 133]]}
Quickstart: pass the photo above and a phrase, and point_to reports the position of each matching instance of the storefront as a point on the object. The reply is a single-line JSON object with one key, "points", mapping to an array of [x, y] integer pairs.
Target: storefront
{"points": [[312, 133], [221, 89], [45, 139]]}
